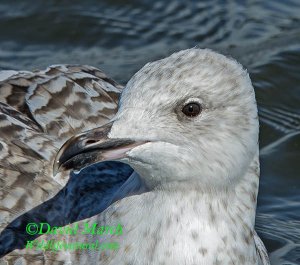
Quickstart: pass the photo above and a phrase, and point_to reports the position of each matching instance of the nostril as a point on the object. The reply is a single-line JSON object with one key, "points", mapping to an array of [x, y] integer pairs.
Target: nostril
{"points": [[90, 141]]}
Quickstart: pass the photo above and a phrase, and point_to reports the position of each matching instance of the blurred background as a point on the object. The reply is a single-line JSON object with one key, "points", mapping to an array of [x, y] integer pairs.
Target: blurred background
{"points": [[120, 36]]}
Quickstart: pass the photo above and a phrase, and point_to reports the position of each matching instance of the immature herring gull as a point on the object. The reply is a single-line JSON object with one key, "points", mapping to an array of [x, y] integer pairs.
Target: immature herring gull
{"points": [[188, 126]]}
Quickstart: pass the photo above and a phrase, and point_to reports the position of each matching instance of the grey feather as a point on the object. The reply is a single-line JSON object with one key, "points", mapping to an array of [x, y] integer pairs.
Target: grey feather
{"points": [[261, 250]]}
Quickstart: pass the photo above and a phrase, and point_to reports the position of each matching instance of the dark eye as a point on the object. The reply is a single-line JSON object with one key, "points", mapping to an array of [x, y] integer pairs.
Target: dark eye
{"points": [[192, 109]]}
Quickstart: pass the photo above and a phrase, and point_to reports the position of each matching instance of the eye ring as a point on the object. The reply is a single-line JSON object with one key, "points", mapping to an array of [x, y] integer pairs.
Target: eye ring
{"points": [[192, 109]]}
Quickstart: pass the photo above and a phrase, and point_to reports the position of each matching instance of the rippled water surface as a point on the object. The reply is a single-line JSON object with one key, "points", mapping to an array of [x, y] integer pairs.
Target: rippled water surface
{"points": [[121, 36]]}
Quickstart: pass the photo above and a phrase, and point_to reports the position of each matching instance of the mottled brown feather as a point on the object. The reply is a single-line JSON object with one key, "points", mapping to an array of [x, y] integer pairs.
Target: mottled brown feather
{"points": [[39, 111]]}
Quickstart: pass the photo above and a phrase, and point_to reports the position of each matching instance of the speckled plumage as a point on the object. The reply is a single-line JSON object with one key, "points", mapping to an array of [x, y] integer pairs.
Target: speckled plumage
{"points": [[203, 172], [39, 111]]}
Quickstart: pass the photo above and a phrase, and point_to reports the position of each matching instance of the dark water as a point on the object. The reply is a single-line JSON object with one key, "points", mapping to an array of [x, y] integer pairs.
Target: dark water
{"points": [[120, 36]]}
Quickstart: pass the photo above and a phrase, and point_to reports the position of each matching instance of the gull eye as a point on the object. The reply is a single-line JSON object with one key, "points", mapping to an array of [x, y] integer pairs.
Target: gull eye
{"points": [[192, 109]]}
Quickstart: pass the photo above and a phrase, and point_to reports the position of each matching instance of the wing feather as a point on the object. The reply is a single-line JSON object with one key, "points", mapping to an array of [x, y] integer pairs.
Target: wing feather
{"points": [[40, 110], [261, 250]]}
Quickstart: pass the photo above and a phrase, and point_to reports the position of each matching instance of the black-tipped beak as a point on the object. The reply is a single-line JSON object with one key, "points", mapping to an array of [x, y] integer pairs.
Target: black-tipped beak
{"points": [[91, 147]]}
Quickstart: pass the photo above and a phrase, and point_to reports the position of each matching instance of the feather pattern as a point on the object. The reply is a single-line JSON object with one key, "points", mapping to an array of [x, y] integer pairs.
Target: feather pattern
{"points": [[39, 111], [261, 250]]}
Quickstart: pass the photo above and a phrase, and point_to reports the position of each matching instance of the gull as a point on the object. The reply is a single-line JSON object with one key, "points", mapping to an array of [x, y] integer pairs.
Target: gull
{"points": [[188, 126]]}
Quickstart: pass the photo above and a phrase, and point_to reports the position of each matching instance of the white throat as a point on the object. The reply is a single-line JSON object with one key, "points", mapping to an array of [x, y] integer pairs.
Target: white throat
{"points": [[191, 227]]}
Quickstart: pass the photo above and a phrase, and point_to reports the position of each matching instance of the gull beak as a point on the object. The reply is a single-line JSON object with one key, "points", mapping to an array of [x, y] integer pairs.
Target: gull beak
{"points": [[91, 147]]}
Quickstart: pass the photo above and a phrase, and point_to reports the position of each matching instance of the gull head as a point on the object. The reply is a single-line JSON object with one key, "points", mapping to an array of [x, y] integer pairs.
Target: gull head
{"points": [[191, 117]]}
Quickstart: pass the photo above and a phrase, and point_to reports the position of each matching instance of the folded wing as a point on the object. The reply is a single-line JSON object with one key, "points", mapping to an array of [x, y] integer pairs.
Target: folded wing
{"points": [[39, 111]]}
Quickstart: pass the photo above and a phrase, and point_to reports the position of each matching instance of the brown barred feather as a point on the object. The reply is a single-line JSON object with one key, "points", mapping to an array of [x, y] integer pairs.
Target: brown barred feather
{"points": [[39, 111]]}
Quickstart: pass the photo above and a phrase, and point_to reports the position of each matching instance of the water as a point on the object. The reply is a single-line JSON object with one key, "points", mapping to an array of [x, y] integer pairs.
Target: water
{"points": [[120, 36]]}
